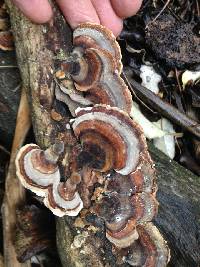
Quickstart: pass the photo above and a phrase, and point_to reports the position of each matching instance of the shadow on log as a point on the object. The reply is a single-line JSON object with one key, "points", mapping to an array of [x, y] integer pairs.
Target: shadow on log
{"points": [[10, 87], [178, 218]]}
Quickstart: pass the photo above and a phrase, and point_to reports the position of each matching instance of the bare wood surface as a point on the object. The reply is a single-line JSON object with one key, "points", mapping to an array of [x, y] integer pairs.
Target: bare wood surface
{"points": [[36, 47], [14, 192]]}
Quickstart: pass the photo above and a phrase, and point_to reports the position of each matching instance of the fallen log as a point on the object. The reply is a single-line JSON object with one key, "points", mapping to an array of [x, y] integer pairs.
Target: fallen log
{"points": [[37, 46]]}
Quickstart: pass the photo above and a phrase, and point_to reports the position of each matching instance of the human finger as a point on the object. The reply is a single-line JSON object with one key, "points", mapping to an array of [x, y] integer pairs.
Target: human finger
{"points": [[78, 11], [108, 16], [126, 8], [38, 11]]}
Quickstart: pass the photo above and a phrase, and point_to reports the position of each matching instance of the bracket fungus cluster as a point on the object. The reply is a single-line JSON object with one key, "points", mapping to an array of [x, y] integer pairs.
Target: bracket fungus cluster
{"points": [[128, 202], [39, 172], [95, 66], [112, 144]]}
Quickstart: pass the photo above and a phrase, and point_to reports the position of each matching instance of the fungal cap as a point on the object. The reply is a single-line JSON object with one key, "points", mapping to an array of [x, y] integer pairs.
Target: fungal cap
{"points": [[157, 251], [61, 207], [89, 70], [34, 171], [115, 126], [144, 178], [123, 241], [109, 87], [90, 35]]}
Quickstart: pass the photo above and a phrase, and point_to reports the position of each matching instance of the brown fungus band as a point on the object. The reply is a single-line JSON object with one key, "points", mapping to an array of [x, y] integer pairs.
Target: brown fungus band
{"points": [[38, 171]]}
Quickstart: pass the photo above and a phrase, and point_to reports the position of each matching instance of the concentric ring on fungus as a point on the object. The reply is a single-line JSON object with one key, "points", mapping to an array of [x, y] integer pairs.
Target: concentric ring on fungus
{"points": [[122, 133], [150, 250], [90, 35]]}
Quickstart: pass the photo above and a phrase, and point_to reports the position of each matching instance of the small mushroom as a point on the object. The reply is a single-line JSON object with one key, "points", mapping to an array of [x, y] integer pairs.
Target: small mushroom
{"points": [[124, 238], [38, 171], [85, 68], [150, 250], [63, 198], [111, 138], [110, 89], [123, 213]]}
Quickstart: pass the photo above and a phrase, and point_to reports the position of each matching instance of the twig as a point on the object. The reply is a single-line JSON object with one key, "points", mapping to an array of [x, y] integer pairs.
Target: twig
{"points": [[8, 66], [164, 108], [4, 150], [198, 9], [158, 15], [140, 100], [14, 192], [178, 82], [172, 12]]}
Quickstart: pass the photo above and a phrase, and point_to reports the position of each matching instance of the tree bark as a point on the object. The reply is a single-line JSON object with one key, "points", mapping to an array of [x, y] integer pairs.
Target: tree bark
{"points": [[37, 46]]}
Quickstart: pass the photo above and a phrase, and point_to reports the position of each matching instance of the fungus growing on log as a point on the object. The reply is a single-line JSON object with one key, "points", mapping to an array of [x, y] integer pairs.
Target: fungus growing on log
{"points": [[111, 167], [112, 137], [123, 213], [114, 144], [89, 35], [150, 250], [38, 171], [95, 66]]}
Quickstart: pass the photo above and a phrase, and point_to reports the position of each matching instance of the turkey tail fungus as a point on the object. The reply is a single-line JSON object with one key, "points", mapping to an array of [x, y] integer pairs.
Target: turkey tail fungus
{"points": [[121, 182]]}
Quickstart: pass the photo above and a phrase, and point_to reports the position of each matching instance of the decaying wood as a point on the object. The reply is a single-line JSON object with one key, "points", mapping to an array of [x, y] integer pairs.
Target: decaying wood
{"points": [[37, 46], [14, 192]]}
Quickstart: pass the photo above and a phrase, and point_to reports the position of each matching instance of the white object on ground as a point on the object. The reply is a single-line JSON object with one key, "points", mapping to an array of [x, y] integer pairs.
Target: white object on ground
{"points": [[189, 76], [150, 130], [166, 143], [150, 78]]}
